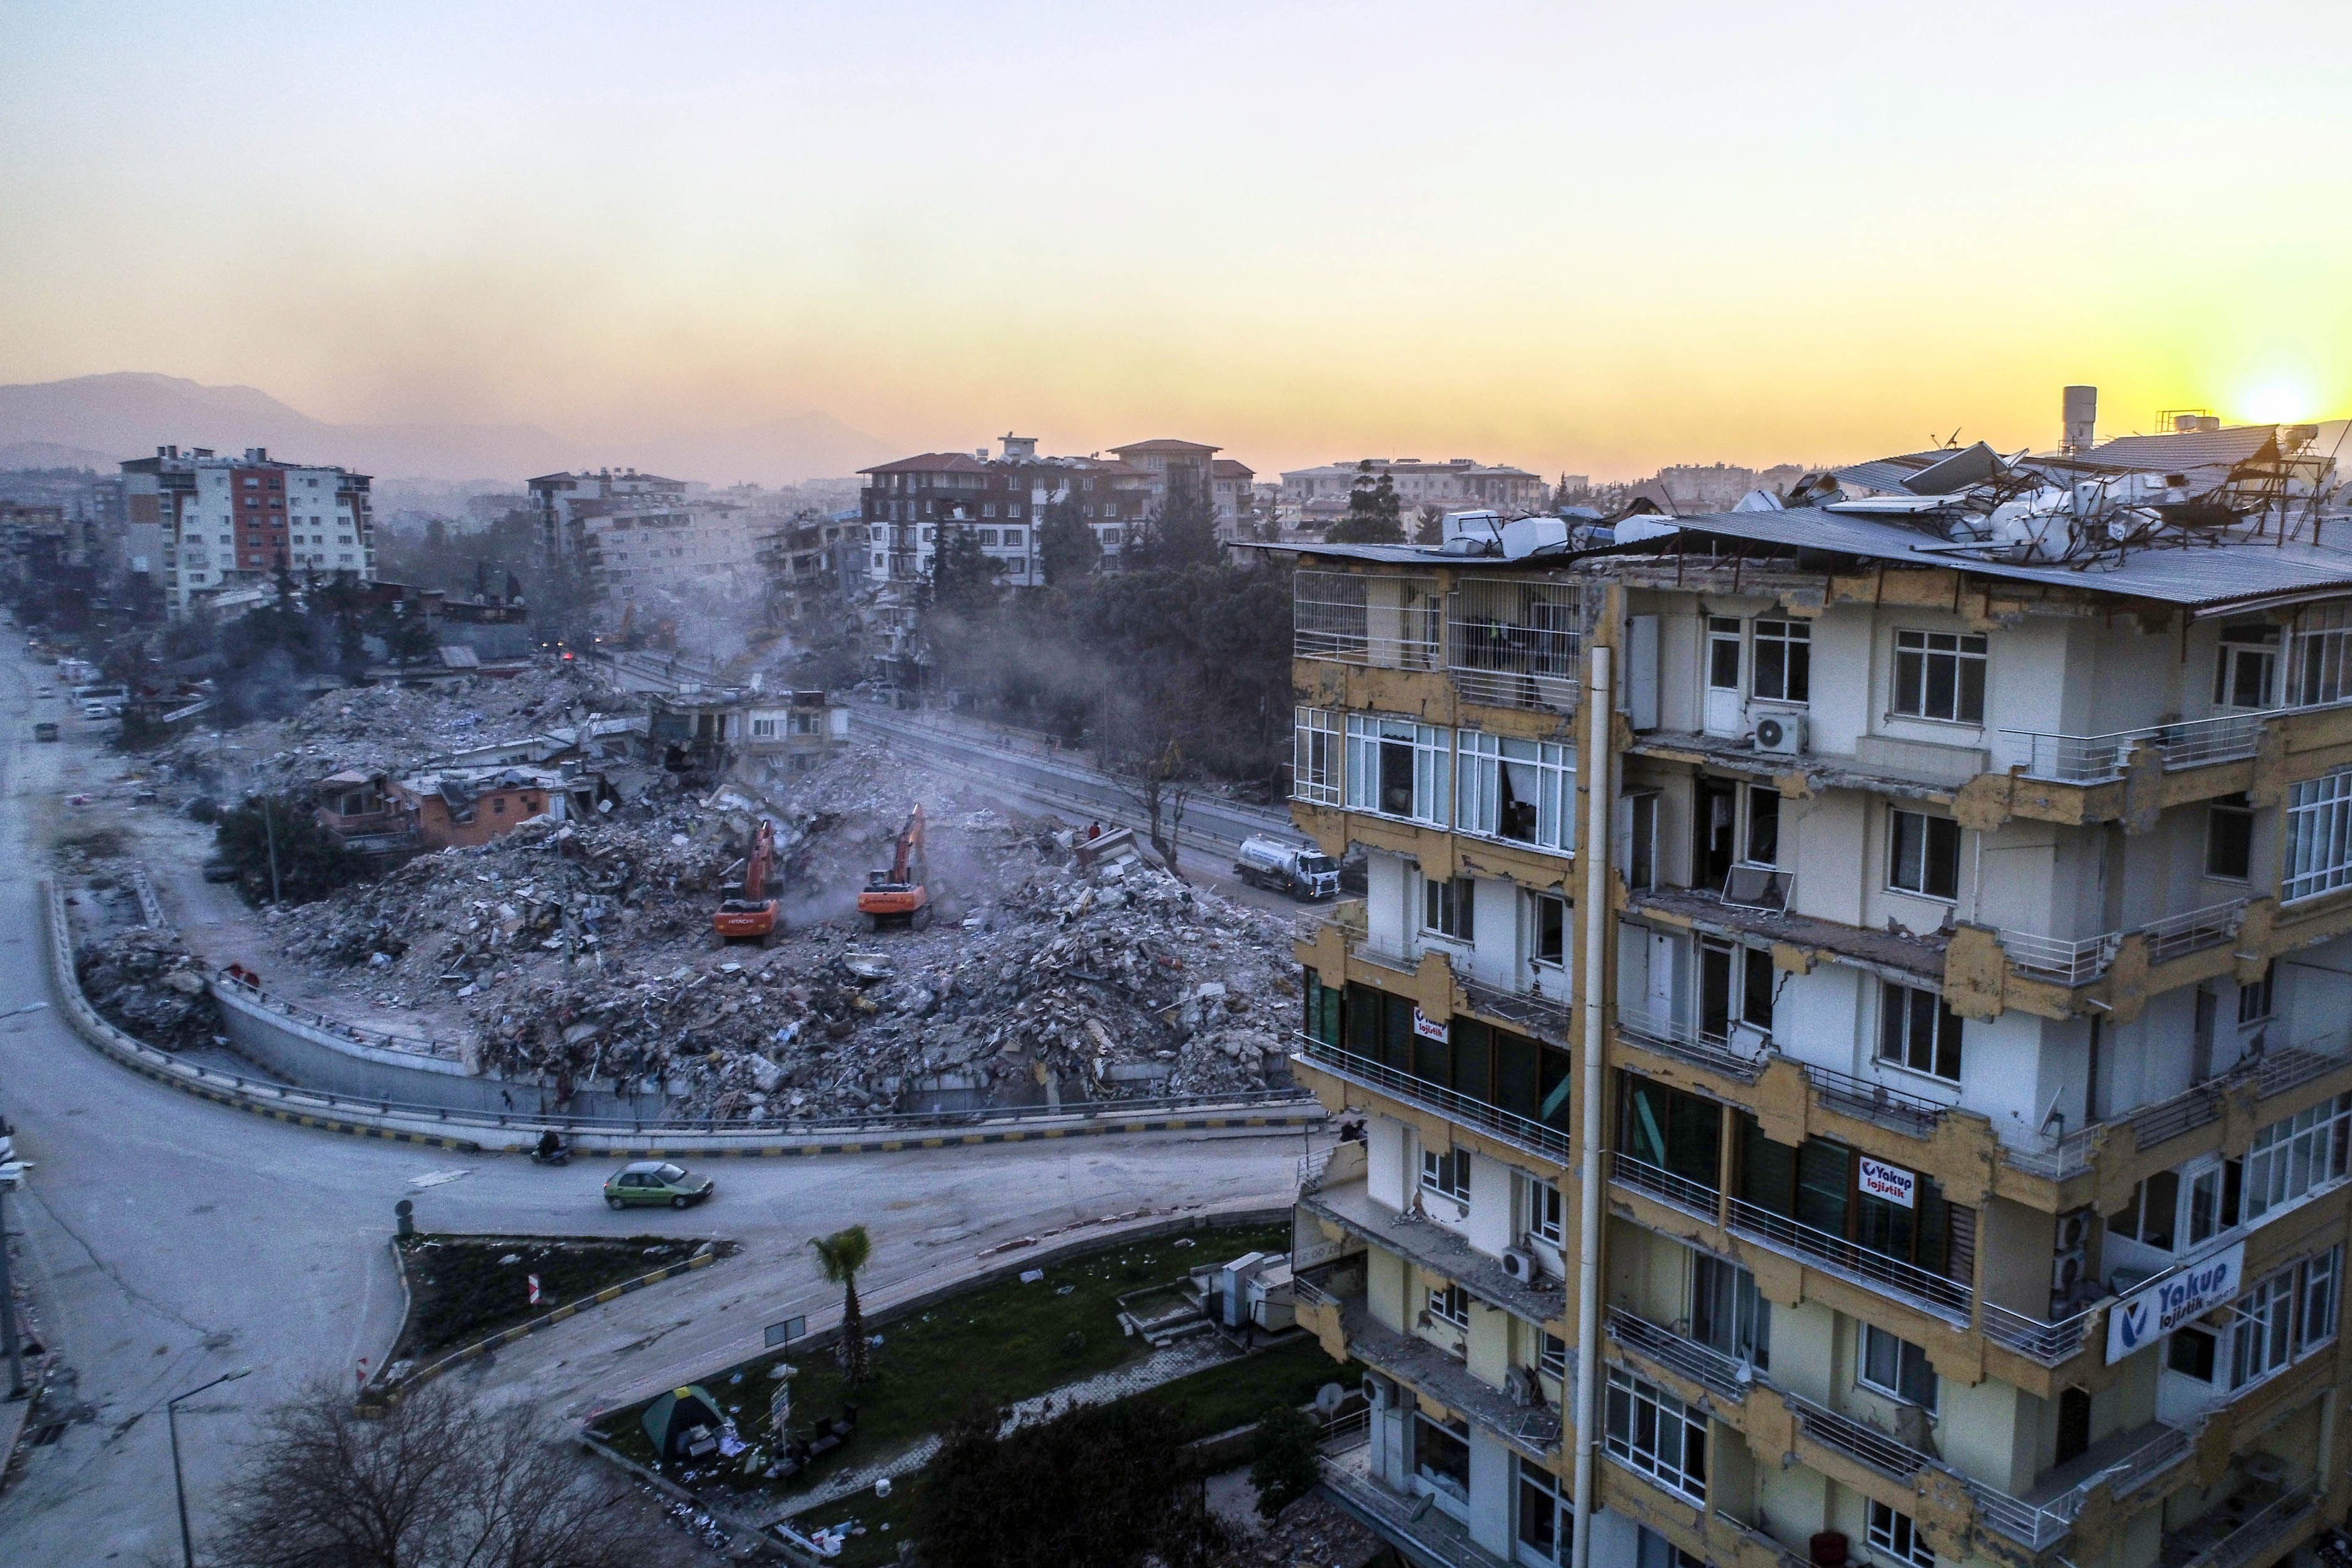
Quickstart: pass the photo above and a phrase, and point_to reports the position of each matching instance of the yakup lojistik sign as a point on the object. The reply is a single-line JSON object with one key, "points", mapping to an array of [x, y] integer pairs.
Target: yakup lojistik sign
{"points": [[1427, 1028], [2162, 1305], [1891, 1183]]}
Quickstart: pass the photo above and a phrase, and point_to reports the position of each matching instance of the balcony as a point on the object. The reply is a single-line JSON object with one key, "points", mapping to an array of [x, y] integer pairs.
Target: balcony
{"points": [[2081, 960], [1521, 1132], [1689, 1043], [1533, 1430], [2229, 1537], [1426, 1534], [1726, 1376], [1435, 1247], [2098, 759], [2035, 1527], [1382, 621], [1515, 643], [1550, 1017]]}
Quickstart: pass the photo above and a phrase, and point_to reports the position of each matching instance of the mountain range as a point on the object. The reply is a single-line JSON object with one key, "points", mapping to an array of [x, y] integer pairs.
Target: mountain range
{"points": [[95, 421]]}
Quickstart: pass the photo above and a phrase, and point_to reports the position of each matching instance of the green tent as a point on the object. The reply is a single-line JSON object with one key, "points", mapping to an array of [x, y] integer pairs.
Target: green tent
{"points": [[669, 1418]]}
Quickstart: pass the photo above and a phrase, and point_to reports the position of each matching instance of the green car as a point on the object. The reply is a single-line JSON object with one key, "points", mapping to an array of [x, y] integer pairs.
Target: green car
{"points": [[655, 1181]]}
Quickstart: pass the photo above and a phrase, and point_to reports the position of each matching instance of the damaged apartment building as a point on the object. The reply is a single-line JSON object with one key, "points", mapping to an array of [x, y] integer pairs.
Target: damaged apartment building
{"points": [[1912, 1129]]}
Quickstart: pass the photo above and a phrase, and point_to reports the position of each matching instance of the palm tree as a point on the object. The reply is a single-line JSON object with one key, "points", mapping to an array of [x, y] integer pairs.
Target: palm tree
{"points": [[842, 1255]]}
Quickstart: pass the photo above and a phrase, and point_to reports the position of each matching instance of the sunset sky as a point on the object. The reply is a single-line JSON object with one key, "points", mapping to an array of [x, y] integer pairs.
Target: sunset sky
{"points": [[1572, 237]]}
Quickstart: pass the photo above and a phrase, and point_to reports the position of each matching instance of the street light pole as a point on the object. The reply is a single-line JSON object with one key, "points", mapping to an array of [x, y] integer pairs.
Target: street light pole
{"points": [[179, 1485]]}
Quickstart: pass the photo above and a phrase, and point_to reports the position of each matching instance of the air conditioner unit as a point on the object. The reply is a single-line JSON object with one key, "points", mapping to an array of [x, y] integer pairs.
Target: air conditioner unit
{"points": [[2074, 1230], [1521, 1385], [1781, 734], [1379, 1391], [1519, 1264]]}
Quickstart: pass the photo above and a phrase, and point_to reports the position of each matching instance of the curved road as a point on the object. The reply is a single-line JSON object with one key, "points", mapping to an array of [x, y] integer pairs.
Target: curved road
{"points": [[170, 1240]]}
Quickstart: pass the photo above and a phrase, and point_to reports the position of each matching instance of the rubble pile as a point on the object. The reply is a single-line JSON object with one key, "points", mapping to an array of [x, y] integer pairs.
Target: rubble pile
{"points": [[580, 954], [371, 728], [147, 984]]}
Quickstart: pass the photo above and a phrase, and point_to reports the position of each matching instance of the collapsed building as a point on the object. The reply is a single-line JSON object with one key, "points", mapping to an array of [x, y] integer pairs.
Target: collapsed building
{"points": [[1847, 1019]]}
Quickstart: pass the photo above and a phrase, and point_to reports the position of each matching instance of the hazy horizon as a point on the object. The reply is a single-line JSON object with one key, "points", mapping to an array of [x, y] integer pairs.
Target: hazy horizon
{"points": [[1592, 241]]}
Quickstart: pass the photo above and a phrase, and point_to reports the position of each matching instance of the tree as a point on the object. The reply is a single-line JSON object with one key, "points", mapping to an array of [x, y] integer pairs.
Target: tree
{"points": [[1373, 515], [841, 1256], [1182, 533], [1120, 1493], [1162, 786], [1283, 1458], [1067, 545], [964, 575], [310, 862], [1432, 526], [434, 1482]]}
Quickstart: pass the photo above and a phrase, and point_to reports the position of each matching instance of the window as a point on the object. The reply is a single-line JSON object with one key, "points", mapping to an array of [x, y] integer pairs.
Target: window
{"points": [[763, 728], [2148, 1216], [1893, 1533], [1723, 653], [1784, 660], [1923, 854], [1915, 1030], [2318, 837], [1315, 753], [1549, 929], [1441, 1454], [988, 510], [1013, 536], [1449, 904], [2191, 1353], [1450, 1304], [1675, 1132], [1940, 675], [1895, 1366], [1544, 1514], [2255, 1002], [2262, 1334], [1726, 1312], [2216, 1197], [1654, 1434], [1397, 768], [1763, 845], [1552, 1362], [1524, 791], [2295, 1156], [2319, 668], [2230, 839], [2247, 671], [1540, 1204], [1447, 1172]]}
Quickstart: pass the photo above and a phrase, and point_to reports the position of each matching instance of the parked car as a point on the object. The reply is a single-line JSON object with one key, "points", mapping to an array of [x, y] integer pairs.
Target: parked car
{"points": [[97, 712], [46, 692], [45, 731], [656, 1182], [220, 872]]}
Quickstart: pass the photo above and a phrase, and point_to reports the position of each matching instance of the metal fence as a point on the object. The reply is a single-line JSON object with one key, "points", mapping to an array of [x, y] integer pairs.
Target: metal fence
{"points": [[1388, 621], [1881, 1269], [1725, 1375], [1527, 1132], [1515, 642], [1690, 1043], [2092, 759]]}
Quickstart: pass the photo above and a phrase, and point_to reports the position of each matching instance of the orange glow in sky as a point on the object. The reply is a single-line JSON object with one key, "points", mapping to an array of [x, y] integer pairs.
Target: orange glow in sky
{"points": [[1581, 237]]}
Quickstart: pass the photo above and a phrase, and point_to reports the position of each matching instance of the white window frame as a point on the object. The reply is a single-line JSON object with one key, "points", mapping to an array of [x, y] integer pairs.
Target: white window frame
{"points": [[1547, 1214], [1318, 757], [1871, 1334], [1894, 1533], [1927, 831], [1662, 1461], [1534, 903], [1909, 1047], [1450, 1304], [1432, 766], [2296, 1157], [2318, 837], [1917, 656], [1486, 762], [1453, 898], [1446, 1172], [2319, 657]]}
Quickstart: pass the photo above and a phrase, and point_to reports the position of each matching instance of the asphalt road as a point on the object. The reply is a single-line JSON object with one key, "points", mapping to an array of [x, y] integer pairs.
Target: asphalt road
{"points": [[171, 1240]]}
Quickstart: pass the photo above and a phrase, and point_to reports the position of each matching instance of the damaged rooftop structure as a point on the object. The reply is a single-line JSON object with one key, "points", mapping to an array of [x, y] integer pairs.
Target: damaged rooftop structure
{"points": [[1849, 1015]]}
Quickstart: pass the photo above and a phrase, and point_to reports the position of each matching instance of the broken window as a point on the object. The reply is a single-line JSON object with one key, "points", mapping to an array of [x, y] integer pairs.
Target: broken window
{"points": [[1523, 791], [1763, 825], [1447, 1172], [1397, 768], [2230, 839], [1548, 942]]}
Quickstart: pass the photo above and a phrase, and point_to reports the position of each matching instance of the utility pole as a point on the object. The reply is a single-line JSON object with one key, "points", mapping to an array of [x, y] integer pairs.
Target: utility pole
{"points": [[269, 831], [179, 1485], [10, 1175]]}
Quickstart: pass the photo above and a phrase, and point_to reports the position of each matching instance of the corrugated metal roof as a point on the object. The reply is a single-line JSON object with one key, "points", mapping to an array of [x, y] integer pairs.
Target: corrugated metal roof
{"points": [[2172, 454], [2221, 575], [1888, 473]]}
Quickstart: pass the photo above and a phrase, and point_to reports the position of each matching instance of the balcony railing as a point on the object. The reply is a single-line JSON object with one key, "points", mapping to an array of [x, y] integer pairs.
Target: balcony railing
{"points": [[2273, 1072], [1387, 622], [2264, 1528], [1550, 1016], [1689, 1042], [2080, 960], [1305, 1292], [2090, 759], [2037, 1528], [1524, 1131], [1949, 1297], [1693, 1197], [1875, 1101], [1725, 1374], [2049, 1343]]}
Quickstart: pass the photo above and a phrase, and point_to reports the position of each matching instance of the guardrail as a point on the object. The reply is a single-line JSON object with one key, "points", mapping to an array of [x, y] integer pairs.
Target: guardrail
{"points": [[246, 987], [1549, 1015], [1874, 1267], [1695, 1197], [2273, 1072], [2082, 959], [2265, 1528], [1725, 1374], [2048, 1344], [1875, 1101], [2091, 759], [1686, 1040], [1524, 1131]]}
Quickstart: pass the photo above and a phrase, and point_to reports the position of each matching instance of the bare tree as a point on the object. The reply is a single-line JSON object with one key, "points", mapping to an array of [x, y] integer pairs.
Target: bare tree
{"points": [[434, 1482], [1162, 786]]}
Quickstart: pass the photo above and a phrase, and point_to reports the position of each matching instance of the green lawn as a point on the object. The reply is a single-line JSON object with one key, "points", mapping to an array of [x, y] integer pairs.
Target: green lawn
{"points": [[461, 1292], [1004, 1342]]}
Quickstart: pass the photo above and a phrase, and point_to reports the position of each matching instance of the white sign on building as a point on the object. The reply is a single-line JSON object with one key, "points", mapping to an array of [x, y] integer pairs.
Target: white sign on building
{"points": [[2163, 1304], [1427, 1028], [1891, 1183]]}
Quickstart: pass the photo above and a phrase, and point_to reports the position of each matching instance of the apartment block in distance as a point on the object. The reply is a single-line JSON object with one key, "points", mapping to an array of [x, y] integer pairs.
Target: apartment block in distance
{"points": [[1974, 1104], [633, 534], [224, 526], [1315, 497]]}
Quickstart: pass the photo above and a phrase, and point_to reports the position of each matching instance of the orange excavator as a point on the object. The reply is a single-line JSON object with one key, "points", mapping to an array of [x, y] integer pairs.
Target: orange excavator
{"points": [[898, 896], [751, 917]]}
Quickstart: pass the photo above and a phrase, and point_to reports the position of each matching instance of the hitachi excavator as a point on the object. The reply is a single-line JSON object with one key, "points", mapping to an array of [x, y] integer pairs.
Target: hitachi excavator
{"points": [[898, 896], [751, 917]]}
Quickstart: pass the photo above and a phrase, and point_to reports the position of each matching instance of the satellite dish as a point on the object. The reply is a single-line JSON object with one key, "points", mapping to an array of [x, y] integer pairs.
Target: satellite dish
{"points": [[1329, 1398]]}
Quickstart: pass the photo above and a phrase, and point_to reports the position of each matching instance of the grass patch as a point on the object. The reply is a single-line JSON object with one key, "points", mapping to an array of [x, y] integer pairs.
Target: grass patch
{"points": [[462, 1288], [998, 1344]]}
